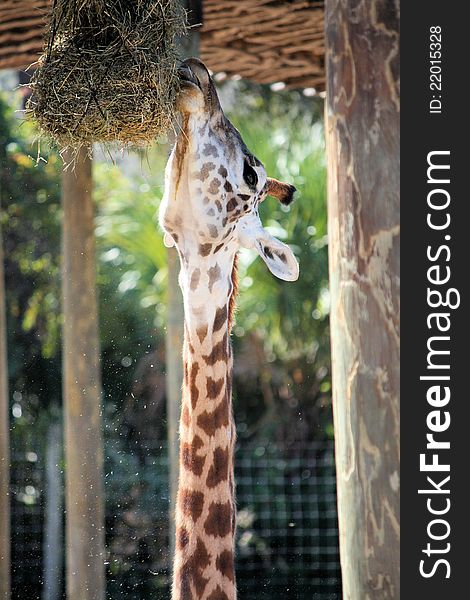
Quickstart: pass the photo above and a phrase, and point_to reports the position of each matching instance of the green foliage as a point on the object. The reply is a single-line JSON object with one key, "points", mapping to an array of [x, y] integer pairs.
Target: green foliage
{"points": [[293, 314], [30, 222], [290, 320], [127, 232], [131, 274], [31, 219]]}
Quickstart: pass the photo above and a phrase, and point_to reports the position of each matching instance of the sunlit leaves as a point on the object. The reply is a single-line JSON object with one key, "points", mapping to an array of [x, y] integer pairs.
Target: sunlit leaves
{"points": [[130, 244], [30, 217]]}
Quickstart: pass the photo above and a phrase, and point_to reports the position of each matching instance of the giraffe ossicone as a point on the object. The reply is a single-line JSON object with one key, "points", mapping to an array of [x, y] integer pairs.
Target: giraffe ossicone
{"points": [[213, 186]]}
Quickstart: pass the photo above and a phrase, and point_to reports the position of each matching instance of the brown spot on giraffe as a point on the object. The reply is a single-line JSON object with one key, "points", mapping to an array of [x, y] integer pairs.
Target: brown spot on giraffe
{"points": [[182, 537], [220, 318], [214, 387], [210, 422], [222, 171], [204, 172], [195, 277], [205, 249], [191, 461], [218, 204], [201, 559], [218, 594], [224, 564], [217, 248], [231, 205], [228, 186], [201, 333], [192, 503], [213, 231], [210, 150], [218, 522], [192, 572], [218, 352], [214, 186], [214, 275], [219, 469], [193, 389]]}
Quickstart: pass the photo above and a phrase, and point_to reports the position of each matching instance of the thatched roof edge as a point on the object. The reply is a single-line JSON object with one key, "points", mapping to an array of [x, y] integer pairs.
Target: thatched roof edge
{"points": [[262, 40]]}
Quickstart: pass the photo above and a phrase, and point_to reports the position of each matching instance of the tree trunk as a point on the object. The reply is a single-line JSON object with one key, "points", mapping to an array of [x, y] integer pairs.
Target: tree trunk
{"points": [[53, 543], [4, 445], [189, 46], [84, 500], [362, 121]]}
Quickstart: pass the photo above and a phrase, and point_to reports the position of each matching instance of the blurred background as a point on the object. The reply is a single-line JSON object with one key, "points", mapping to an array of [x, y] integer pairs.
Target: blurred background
{"points": [[287, 539]]}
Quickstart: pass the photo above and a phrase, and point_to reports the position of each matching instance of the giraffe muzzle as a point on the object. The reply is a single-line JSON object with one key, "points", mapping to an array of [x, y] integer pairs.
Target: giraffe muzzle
{"points": [[187, 75]]}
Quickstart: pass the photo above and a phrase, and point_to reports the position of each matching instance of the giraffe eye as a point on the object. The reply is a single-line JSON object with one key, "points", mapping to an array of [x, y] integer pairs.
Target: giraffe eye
{"points": [[249, 175]]}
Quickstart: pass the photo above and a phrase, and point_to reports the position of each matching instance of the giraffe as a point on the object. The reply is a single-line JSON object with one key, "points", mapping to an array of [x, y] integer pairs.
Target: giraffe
{"points": [[213, 185]]}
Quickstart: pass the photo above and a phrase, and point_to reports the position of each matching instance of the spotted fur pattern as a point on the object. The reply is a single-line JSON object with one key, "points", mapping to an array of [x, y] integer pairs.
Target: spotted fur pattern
{"points": [[207, 195]]}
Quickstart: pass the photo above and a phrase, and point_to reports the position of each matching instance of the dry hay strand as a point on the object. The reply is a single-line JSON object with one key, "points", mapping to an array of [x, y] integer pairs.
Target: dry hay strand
{"points": [[108, 72]]}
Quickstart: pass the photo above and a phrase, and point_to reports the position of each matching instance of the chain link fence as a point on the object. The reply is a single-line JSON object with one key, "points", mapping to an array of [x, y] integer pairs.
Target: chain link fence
{"points": [[287, 541]]}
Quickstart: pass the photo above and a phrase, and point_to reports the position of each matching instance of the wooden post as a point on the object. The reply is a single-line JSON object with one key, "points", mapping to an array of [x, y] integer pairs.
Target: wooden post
{"points": [[53, 538], [362, 122], [4, 445], [189, 46], [84, 498]]}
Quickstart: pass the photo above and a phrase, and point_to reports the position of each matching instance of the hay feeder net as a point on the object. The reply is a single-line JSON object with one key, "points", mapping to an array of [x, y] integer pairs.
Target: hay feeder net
{"points": [[108, 72]]}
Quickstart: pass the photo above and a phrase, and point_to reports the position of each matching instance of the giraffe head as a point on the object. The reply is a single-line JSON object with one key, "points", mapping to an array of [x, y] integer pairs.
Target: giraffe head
{"points": [[214, 184]]}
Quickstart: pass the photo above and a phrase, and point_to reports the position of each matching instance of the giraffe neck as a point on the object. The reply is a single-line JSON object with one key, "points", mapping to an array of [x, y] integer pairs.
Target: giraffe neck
{"points": [[205, 510]]}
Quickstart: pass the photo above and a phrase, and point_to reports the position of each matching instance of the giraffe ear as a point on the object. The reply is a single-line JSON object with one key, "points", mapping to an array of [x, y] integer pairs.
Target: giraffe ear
{"points": [[284, 192], [278, 257]]}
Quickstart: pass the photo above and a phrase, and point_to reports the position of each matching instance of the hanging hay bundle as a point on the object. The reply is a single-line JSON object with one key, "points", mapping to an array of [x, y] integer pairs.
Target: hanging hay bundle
{"points": [[108, 72]]}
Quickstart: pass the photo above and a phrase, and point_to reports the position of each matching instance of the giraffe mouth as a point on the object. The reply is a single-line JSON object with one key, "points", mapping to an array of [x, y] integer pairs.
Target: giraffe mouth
{"points": [[187, 76]]}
